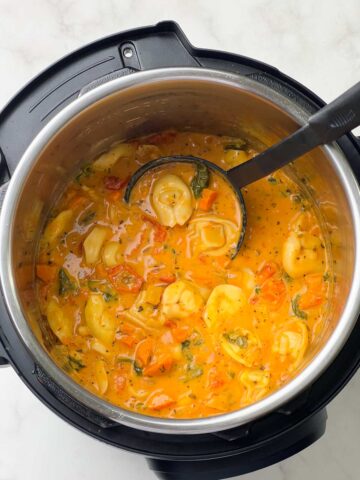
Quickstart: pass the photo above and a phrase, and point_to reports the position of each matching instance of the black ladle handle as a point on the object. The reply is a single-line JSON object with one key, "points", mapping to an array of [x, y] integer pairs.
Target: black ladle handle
{"points": [[328, 124]]}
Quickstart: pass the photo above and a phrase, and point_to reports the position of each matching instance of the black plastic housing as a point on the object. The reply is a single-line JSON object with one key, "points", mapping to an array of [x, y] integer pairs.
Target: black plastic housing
{"points": [[212, 456]]}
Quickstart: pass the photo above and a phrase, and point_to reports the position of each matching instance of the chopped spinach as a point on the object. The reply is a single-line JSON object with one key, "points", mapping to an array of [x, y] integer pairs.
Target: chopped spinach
{"points": [[73, 364], [85, 171], [193, 371], [326, 276], [295, 307], [201, 180], [185, 344], [240, 144], [287, 277], [87, 218], [137, 369], [65, 284], [239, 340], [109, 296], [257, 289]]}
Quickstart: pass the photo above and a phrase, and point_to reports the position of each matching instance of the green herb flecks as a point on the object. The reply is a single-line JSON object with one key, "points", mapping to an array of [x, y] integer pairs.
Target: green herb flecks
{"points": [[287, 277], [65, 284], [272, 180], [193, 371], [296, 309], [239, 340], [326, 277], [201, 180]]}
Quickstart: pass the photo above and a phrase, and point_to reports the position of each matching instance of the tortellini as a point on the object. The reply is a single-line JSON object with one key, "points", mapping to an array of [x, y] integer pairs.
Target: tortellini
{"points": [[112, 254], [301, 254], [58, 226], [99, 320], [213, 235], [291, 343], [108, 159], [144, 311], [93, 243], [224, 301], [101, 378], [181, 299], [256, 383], [242, 346], [171, 200], [60, 323]]}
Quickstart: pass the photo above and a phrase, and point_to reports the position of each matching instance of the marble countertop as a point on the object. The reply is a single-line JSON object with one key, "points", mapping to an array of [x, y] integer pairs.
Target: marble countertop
{"points": [[316, 42]]}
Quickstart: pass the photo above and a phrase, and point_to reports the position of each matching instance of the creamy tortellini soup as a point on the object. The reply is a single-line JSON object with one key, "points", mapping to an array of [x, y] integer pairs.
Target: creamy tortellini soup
{"points": [[146, 305]]}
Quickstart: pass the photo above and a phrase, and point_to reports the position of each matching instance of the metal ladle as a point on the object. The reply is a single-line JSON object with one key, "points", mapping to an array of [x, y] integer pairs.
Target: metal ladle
{"points": [[327, 125]]}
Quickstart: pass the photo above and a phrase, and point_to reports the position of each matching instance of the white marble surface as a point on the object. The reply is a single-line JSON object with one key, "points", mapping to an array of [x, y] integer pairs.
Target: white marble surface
{"points": [[315, 41]]}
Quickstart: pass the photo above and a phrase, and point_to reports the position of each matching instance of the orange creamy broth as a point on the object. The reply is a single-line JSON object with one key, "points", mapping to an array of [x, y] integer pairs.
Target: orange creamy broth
{"points": [[152, 319]]}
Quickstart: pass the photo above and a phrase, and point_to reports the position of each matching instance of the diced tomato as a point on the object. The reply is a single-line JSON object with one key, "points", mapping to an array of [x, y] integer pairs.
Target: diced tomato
{"points": [[115, 183], [125, 279], [215, 379], [310, 300], [207, 199], [119, 382], [266, 272], [46, 273], [162, 365], [160, 401], [180, 333], [168, 278], [160, 233], [144, 351], [273, 291]]}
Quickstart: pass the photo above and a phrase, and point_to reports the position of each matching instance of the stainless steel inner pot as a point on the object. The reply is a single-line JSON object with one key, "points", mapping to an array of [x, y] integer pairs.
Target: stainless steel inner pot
{"points": [[145, 102]]}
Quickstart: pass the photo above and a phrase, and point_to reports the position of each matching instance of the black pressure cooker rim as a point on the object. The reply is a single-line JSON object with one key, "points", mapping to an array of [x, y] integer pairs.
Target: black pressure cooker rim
{"points": [[28, 111]]}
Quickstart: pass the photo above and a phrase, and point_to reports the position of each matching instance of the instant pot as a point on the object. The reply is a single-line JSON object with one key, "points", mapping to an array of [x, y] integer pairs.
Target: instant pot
{"points": [[135, 83]]}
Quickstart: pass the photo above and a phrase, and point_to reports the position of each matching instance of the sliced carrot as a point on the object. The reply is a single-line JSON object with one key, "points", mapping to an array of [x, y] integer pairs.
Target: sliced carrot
{"points": [[160, 401], [158, 367], [127, 340], [207, 199], [100, 270], [266, 272], [46, 273], [114, 196], [144, 351], [180, 333], [77, 201], [168, 278]]}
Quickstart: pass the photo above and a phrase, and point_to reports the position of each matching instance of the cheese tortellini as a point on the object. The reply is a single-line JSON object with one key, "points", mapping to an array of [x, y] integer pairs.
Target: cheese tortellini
{"points": [[242, 346], [99, 320], [60, 323], [112, 254], [301, 254], [181, 299], [144, 311], [58, 226], [213, 235], [291, 343], [224, 301], [171, 200], [93, 243], [108, 159], [256, 383]]}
